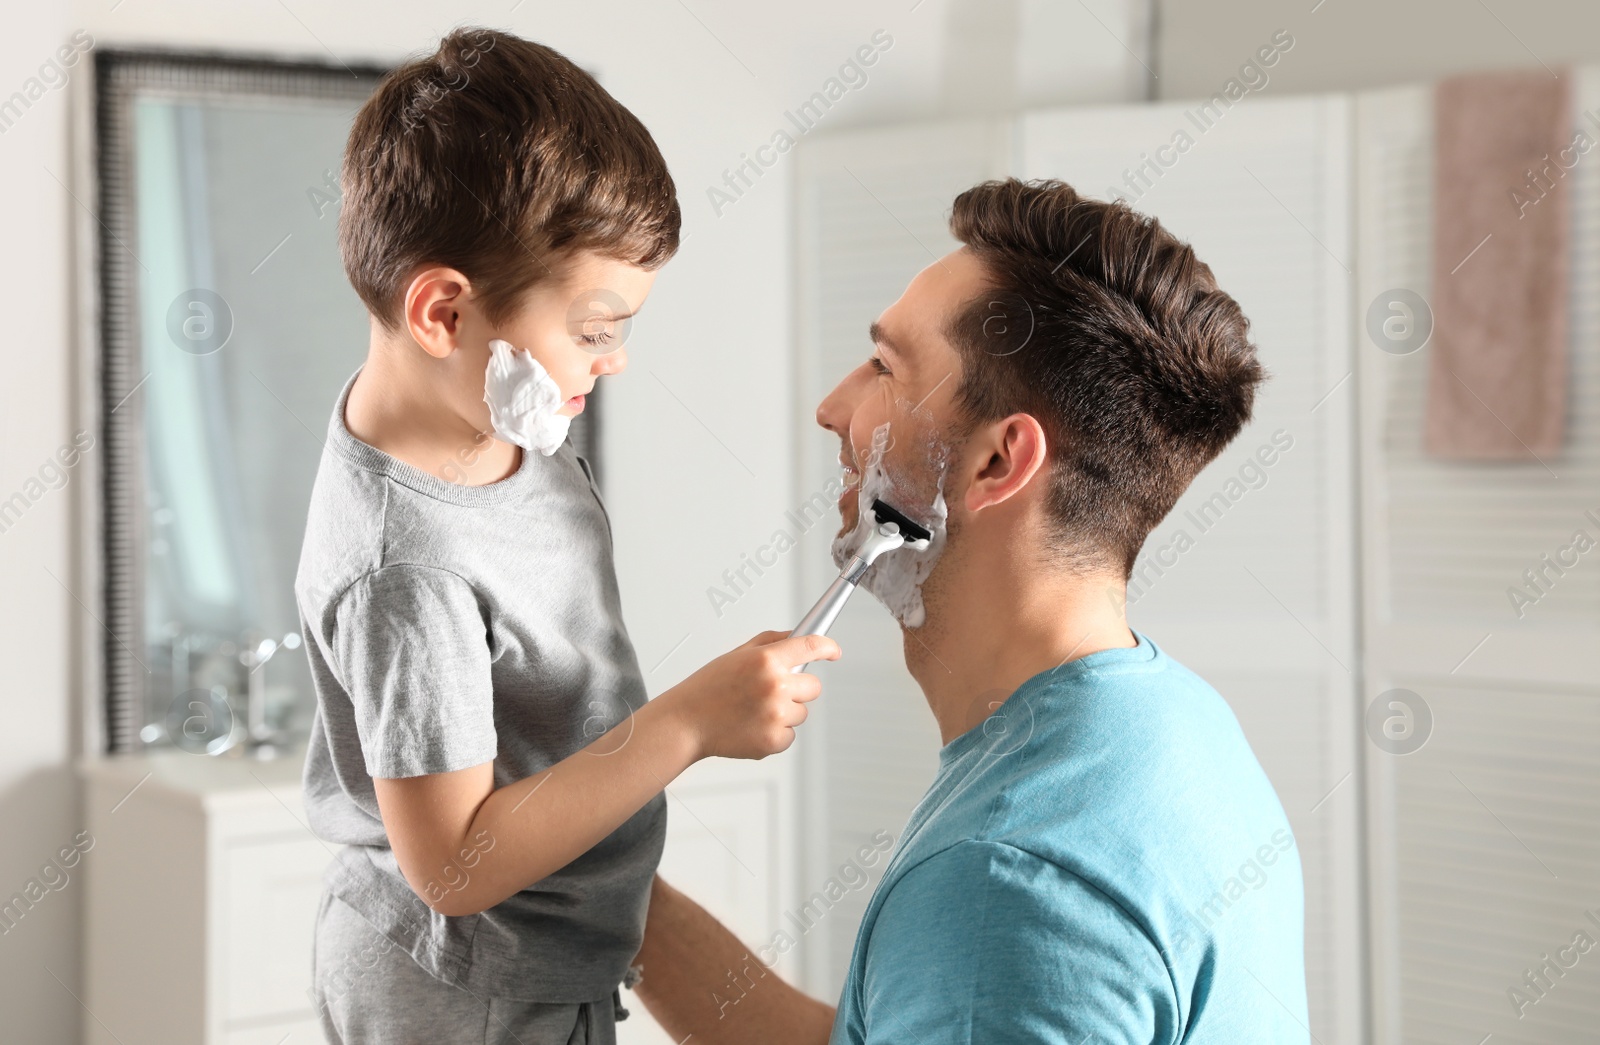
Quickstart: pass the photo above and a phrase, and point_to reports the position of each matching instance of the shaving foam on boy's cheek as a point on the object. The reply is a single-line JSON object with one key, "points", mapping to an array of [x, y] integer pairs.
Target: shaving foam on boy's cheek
{"points": [[897, 577], [523, 400]]}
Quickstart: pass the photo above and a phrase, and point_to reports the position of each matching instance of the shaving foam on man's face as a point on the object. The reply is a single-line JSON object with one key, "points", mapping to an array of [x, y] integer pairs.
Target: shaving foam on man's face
{"points": [[905, 468], [888, 414]]}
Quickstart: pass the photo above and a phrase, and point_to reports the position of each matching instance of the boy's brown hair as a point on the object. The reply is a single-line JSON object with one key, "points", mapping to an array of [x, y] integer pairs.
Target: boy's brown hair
{"points": [[496, 156], [1108, 330]]}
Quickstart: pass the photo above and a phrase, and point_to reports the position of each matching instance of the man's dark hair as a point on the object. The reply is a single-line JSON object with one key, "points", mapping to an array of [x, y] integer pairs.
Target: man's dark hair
{"points": [[1106, 328], [496, 156]]}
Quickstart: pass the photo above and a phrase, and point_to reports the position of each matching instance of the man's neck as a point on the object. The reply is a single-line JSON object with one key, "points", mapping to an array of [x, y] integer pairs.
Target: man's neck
{"points": [[996, 619], [396, 406]]}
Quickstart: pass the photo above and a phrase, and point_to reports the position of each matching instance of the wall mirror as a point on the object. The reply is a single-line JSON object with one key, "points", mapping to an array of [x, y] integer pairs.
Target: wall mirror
{"points": [[227, 329]]}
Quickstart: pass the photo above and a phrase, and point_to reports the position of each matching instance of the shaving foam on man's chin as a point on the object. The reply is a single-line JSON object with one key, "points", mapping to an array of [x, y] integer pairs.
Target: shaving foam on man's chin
{"points": [[891, 551], [524, 400], [912, 480], [896, 580]]}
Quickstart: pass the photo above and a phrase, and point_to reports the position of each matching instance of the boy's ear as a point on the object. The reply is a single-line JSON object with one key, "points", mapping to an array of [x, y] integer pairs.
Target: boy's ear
{"points": [[434, 302], [1005, 456]]}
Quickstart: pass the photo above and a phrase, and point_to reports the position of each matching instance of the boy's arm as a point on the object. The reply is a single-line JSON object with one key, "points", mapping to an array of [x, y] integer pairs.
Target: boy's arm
{"points": [[464, 846], [688, 958]]}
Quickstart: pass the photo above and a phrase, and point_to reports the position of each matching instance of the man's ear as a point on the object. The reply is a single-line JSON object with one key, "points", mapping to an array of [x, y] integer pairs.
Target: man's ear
{"points": [[1006, 455], [433, 304]]}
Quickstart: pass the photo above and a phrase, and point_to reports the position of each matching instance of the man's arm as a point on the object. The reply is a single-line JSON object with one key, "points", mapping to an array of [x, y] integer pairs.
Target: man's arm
{"points": [[688, 960], [986, 943]]}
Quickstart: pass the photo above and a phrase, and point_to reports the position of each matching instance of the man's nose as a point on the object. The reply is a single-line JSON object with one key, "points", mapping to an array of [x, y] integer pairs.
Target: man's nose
{"points": [[838, 406], [831, 412]]}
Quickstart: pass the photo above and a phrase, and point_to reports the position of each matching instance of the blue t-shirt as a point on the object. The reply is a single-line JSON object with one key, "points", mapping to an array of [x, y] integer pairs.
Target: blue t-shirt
{"points": [[1102, 860]]}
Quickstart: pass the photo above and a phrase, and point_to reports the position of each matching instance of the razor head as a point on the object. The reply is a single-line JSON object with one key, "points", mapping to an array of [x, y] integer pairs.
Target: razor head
{"points": [[913, 532]]}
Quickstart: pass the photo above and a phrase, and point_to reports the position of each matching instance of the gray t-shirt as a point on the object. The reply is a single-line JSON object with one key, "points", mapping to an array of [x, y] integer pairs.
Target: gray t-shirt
{"points": [[448, 626]]}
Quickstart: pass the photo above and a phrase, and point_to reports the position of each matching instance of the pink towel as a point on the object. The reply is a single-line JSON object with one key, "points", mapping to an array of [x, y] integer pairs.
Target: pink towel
{"points": [[1497, 379]]}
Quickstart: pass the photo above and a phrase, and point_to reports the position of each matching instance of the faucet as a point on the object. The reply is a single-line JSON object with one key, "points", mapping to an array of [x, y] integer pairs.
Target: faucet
{"points": [[254, 658]]}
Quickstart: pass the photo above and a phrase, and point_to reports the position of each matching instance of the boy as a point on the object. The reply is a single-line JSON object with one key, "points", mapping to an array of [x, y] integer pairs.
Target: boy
{"points": [[482, 744]]}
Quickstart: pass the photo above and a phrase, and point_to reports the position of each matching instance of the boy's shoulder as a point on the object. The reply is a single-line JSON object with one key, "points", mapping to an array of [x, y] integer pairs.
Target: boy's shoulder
{"points": [[344, 530], [543, 526]]}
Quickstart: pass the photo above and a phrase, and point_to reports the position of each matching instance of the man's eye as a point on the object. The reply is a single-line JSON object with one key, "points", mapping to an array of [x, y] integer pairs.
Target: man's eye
{"points": [[877, 364]]}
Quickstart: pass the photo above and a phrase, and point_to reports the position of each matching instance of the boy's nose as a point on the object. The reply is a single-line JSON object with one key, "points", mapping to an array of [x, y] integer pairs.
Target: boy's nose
{"points": [[613, 362]]}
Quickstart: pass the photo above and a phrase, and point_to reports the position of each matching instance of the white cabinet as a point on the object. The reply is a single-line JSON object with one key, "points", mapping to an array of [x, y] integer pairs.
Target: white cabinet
{"points": [[267, 882], [202, 890], [203, 884]]}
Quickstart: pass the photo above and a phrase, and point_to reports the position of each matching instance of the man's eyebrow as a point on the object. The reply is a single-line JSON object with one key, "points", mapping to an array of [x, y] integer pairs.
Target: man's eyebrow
{"points": [[880, 338]]}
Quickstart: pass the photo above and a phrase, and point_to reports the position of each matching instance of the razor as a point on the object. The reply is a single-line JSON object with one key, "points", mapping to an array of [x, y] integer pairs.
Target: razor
{"points": [[891, 529]]}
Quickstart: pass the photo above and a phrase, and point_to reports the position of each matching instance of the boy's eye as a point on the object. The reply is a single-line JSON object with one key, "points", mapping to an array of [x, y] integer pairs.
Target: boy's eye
{"points": [[878, 365], [599, 340]]}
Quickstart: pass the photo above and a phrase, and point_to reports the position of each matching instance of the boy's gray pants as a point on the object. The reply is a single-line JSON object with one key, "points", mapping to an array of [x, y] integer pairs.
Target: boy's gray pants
{"points": [[369, 992]]}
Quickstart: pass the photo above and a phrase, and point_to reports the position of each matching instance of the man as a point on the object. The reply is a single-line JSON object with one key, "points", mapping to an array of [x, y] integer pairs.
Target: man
{"points": [[1100, 858]]}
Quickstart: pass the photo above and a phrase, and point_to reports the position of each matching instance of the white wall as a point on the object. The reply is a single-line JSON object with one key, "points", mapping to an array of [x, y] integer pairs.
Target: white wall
{"points": [[38, 799], [1344, 45], [711, 84]]}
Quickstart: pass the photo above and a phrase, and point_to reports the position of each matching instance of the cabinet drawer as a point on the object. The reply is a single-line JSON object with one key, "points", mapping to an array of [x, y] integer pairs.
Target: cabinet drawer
{"points": [[297, 1032], [720, 850], [271, 887]]}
